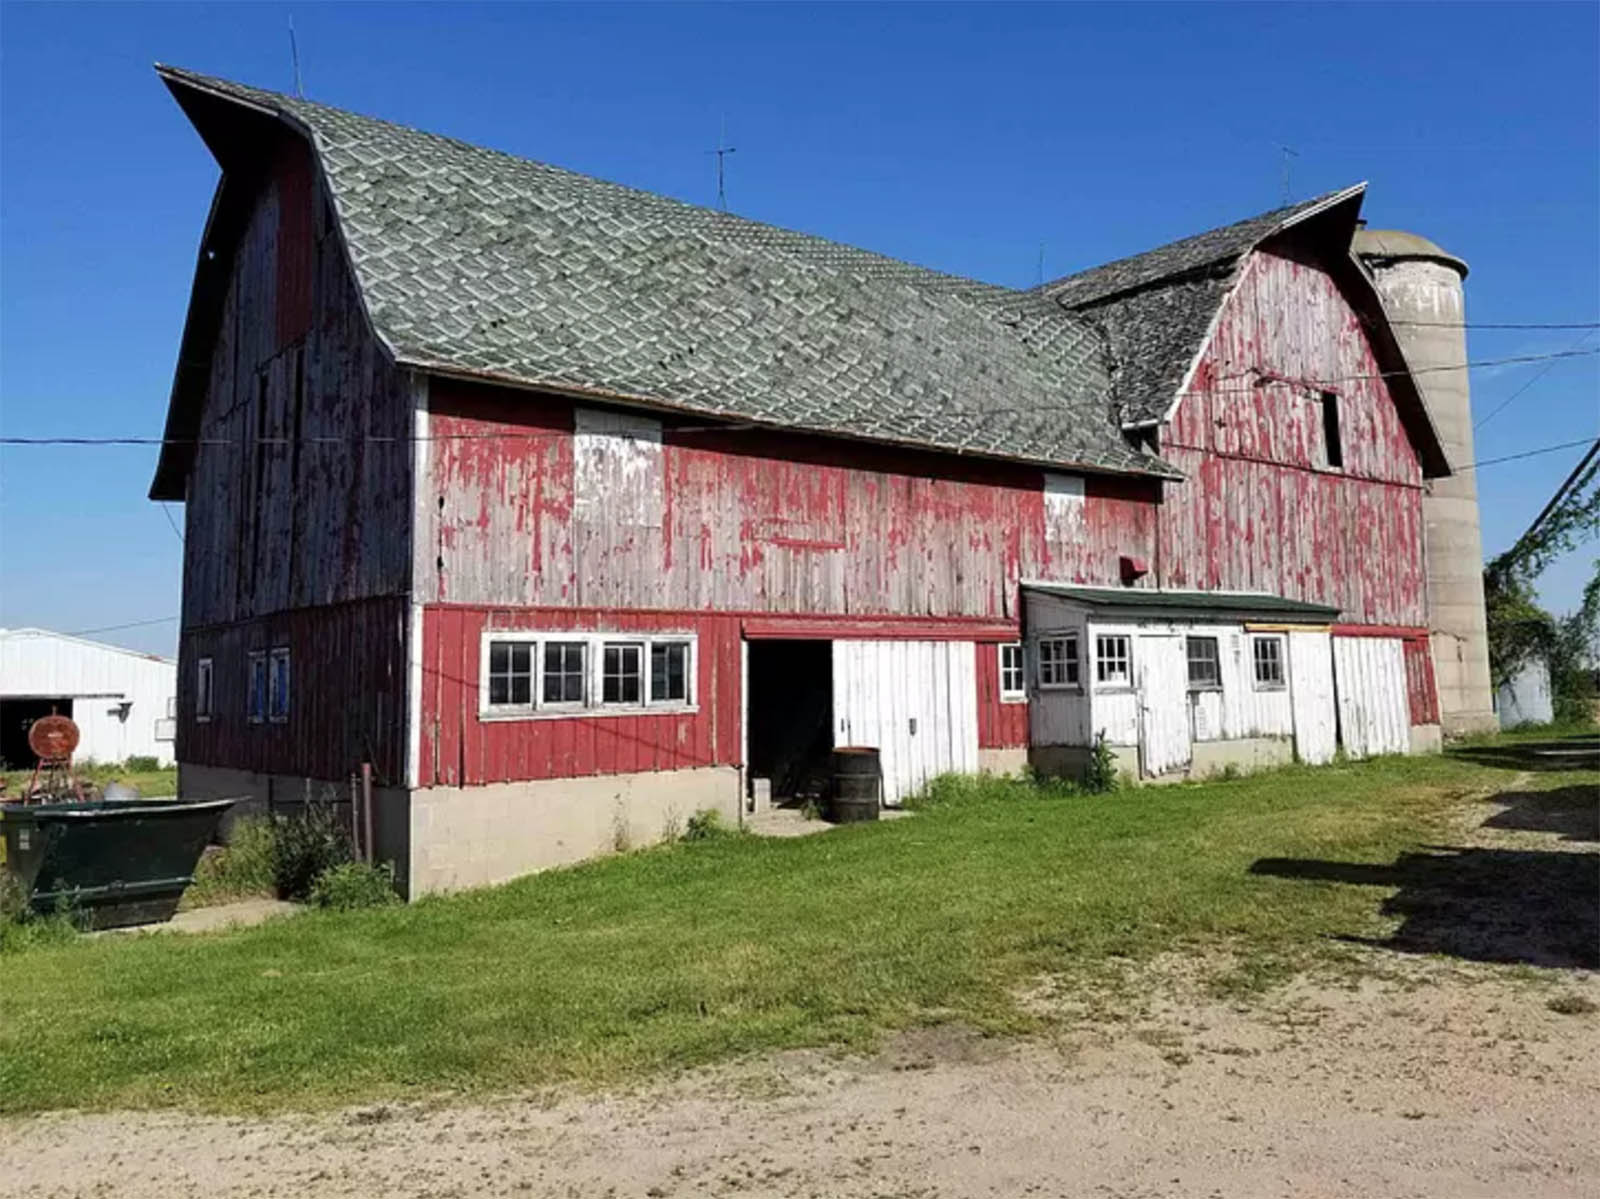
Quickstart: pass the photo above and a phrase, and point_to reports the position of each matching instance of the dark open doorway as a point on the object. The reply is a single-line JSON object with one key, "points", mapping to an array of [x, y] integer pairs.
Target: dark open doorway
{"points": [[791, 716], [16, 718]]}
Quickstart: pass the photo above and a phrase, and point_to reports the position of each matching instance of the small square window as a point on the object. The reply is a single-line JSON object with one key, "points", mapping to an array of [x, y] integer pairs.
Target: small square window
{"points": [[566, 669], [1205, 670], [1113, 661], [510, 673], [622, 673], [256, 697], [669, 672], [1267, 653], [1058, 662], [278, 686], [202, 690], [1012, 686]]}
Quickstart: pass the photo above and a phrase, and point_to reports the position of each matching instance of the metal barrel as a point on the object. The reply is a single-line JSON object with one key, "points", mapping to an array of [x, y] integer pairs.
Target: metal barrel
{"points": [[857, 784]]}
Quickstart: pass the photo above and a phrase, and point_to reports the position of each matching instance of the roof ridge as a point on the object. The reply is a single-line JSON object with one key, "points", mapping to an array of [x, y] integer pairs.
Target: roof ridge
{"points": [[287, 105]]}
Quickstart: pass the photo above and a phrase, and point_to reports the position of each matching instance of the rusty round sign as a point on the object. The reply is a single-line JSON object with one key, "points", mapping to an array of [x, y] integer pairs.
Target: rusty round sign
{"points": [[53, 738]]}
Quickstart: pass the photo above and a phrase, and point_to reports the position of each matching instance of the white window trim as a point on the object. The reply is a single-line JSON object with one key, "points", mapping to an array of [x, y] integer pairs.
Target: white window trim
{"points": [[594, 667], [1283, 662], [1019, 695], [1122, 684], [252, 716], [279, 653], [205, 669], [1216, 641], [1076, 657]]}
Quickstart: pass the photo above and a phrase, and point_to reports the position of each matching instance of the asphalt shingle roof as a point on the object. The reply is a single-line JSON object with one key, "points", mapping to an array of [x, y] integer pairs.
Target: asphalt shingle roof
{"points": [[472, 260], [1156, 308]]}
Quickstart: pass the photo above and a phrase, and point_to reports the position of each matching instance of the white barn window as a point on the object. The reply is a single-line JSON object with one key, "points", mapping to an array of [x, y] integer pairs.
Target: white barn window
{"points": [[202, 690], [1012, 685], [1205, 666], [530, 674], [1113, 660], [1267, 655]]}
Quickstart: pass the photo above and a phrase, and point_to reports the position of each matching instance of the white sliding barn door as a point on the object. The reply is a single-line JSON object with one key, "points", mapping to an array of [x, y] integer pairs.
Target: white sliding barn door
{"points": [[916, 702], [1162, 666], [1316, 734], [1374, 713]]}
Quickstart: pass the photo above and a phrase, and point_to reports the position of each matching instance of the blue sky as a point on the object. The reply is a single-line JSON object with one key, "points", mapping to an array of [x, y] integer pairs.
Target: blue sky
{"points": [[959, 137]]}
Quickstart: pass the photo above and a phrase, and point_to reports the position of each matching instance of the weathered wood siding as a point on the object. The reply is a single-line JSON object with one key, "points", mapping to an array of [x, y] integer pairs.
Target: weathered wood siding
{"points": [[1255, 512], [1002, 724], [298, 500], [458, 748], [346, 698], [519, 511], [303, 475]]}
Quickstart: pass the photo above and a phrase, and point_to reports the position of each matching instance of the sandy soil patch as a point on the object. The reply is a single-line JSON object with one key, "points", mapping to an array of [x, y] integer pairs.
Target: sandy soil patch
{"points": [[1449, 1081]]}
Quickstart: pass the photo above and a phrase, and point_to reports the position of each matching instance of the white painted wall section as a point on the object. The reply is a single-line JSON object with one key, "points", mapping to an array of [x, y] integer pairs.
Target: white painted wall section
{"points": [[1316, 731], [1369, 675], [1161, 668], [915, 701]]}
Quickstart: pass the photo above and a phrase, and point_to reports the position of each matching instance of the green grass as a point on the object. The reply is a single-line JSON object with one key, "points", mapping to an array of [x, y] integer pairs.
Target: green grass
{"points": [[151, 783], [699, 951]]}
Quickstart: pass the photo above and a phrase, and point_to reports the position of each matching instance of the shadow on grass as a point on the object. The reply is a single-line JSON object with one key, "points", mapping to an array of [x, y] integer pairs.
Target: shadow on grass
{"points": [[1539, 907], [1571, 813], [1578, 752]]}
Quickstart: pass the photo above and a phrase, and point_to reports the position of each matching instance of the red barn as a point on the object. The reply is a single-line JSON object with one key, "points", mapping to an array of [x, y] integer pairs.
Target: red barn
{"points": [[572, 510]]}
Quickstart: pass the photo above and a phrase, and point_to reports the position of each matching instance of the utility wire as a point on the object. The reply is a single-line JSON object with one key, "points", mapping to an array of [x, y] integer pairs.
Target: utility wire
{"points": [[113, 628], [735, 424], [165, 511], [1536, 376], [1491, 325]]}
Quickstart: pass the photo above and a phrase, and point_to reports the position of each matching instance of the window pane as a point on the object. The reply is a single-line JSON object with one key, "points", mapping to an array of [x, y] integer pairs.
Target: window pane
{"points": [[1268, 655], [563, 672], [499, 657], [669, 671], [1111, 659], [620, 674], [1204, 669]]}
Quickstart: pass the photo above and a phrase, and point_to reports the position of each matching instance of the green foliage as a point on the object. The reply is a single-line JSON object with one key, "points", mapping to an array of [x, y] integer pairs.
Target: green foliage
{"points": [[706, 825], [1521, 631], [353, 885], [142, 764], [21, 928], [1100, 772], [242, 869], [303, 846]]}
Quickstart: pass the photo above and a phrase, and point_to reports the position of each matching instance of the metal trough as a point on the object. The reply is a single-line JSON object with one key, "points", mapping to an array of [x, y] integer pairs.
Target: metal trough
{"points": [[117, 863]]}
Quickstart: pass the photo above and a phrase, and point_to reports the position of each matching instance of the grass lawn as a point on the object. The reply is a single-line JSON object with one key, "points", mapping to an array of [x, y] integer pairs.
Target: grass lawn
{"points": [[695, 952]]}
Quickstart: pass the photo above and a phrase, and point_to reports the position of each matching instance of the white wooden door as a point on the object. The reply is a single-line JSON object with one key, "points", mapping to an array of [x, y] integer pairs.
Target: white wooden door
{"points": [[1369, 675], [1162, 668], [1311, 697], [916, 702]]}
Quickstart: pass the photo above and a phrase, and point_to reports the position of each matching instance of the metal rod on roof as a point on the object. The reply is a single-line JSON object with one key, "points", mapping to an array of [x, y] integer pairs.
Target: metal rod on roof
{"points": [[294, 59], [722, 151], [1289, 153]]}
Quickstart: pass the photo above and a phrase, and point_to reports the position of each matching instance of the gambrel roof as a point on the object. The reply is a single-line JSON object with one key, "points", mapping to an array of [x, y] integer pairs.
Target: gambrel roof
{"points": [[1156, 308], [474, 263]]}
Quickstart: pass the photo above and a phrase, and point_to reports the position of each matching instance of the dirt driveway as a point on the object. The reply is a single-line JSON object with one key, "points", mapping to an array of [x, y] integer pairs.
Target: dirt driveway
{"points": [[1448, 1082]]}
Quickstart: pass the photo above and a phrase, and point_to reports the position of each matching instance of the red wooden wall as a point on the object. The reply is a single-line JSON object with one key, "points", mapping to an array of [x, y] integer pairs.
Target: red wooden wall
{"points": [[1254, 512], [749, 522], [347, 692], [1000, 725], [459, 748]]}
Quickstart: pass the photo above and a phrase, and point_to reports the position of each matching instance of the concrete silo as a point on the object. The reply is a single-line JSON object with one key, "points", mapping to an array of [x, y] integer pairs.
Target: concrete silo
{"points": [[1420, 285]]}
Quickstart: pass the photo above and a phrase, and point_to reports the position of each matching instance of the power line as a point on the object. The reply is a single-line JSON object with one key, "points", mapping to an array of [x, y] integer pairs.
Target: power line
{"points": [[114, 628], [1537, 375], [1493, 325], [165, 511], [1549, 449], [734, 424]]}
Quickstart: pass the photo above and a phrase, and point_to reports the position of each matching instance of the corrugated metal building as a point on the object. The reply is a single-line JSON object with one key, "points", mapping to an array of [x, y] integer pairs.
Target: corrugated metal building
{"points": [[572, 509], [123, 702]]}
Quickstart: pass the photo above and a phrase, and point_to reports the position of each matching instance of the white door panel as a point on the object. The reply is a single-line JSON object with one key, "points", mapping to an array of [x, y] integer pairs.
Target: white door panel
{"points": [[1311, 697], [1162, 668]]}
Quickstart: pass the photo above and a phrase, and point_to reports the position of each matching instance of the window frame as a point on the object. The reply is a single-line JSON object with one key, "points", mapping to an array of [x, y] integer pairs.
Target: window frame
{"points": [[1281, 683], [1071, 661], [593, 703], [668, 643], [1124, 682], [256, 658], [205, 675], [644, 656], [1189, 642], [279, 653], [1019, 693]]}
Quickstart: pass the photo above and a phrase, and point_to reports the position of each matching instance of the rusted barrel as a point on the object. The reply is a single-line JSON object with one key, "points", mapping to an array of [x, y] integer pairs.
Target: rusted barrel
{"points": [[857, 784]]}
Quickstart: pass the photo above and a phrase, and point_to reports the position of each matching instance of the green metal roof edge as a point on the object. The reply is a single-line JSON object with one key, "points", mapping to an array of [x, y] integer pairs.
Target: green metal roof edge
{"points": [[1186, 601]]}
